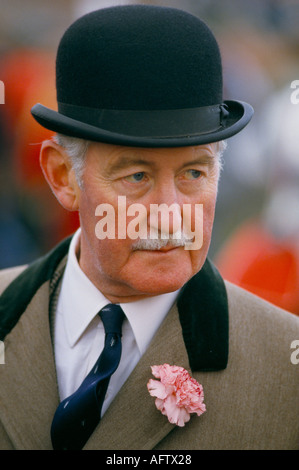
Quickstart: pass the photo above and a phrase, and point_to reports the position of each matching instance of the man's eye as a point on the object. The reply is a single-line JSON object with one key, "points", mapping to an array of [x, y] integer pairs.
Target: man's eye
{"points": [[193, 174], [135, 178]]}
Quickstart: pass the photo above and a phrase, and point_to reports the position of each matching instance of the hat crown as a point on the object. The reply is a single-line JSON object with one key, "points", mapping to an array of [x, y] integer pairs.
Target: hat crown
{"points": [[143, 76], [140, 58]]}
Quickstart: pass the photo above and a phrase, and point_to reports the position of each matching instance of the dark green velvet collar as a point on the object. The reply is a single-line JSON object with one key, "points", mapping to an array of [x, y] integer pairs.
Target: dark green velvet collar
{"points": [[203, 311], [202, 305]]}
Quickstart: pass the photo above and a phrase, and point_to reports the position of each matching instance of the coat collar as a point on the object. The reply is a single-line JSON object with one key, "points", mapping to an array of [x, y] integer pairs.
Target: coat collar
{"points": [[203, 312], [202, 306]]}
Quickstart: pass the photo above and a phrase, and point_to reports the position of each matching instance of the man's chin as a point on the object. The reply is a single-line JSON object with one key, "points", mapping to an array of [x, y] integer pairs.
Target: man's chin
{"points": [[159, 285], [160, 273]]}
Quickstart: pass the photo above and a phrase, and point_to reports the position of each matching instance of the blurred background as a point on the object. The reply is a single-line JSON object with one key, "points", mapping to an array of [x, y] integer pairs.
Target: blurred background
{"points": [[255, 240]]}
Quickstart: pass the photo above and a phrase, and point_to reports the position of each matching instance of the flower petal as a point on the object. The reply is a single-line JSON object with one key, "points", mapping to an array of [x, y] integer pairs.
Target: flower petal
{"points": [[156, 371], [171, 409], [183, 417], [156, 389], [160, 405], [175, 415]]}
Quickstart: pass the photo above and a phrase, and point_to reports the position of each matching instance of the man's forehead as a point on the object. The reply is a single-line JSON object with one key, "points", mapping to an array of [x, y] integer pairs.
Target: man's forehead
{"points": [[115, 156]]}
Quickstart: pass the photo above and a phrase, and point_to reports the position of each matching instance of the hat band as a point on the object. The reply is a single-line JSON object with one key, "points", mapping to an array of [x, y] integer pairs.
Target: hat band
{"points": [[151, 123]]}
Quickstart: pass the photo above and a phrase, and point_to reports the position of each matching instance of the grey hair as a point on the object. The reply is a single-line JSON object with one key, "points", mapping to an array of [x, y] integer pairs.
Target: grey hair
{"points": [[76, 149], [220, 149]]}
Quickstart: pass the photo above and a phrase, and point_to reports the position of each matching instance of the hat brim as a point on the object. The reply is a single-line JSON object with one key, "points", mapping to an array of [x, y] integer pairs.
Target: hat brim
{"points": [[238, 115]]}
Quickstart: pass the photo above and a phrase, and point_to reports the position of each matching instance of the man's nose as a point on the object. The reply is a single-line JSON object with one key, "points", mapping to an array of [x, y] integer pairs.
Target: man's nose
{"points": [[165, 215]]}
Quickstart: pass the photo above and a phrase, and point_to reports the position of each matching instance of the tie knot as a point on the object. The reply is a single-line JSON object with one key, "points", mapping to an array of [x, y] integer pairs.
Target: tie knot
{"points": [[112, 317]]}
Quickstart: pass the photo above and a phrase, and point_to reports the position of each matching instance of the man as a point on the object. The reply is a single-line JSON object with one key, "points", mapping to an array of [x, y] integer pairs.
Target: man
{"points": [[140, 120]]}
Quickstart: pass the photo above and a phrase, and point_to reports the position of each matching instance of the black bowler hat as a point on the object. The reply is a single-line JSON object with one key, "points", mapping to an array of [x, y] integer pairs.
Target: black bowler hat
{"points": [[141, 75]]}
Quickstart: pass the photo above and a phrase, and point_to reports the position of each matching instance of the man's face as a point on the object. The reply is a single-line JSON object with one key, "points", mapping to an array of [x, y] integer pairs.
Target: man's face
{"points": [[187, 175]]}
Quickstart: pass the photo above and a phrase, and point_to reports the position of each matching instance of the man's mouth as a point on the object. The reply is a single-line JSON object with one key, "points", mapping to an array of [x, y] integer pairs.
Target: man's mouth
{"points": [[159, 249], [167, 248], [161, 245]]}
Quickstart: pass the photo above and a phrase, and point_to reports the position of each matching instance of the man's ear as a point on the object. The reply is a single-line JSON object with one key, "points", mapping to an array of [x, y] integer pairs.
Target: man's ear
{"points": [[59, 174]]}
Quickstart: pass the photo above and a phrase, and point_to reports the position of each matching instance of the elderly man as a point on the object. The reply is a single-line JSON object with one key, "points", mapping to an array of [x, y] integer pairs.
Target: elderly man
{"points": [[141, 124]]}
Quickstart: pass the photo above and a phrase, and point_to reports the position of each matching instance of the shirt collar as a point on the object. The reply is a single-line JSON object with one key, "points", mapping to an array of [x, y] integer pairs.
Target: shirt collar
{"points": [[80, 301], [146, 315]]}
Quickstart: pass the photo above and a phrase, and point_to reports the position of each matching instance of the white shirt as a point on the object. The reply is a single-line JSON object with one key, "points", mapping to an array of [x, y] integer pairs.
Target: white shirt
{"points": [[79, 333]]}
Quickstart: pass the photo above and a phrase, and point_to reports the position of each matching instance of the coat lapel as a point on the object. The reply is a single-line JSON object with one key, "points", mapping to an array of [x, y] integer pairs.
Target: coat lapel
{"points": [[28, 402], [132, 421]]}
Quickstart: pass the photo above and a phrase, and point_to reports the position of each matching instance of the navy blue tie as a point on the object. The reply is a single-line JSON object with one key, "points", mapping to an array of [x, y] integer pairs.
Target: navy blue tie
{"points": [[78, 415]]}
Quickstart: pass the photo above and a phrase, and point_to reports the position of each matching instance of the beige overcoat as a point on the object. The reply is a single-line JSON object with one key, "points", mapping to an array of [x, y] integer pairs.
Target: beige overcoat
{"points": [[253, 403]]}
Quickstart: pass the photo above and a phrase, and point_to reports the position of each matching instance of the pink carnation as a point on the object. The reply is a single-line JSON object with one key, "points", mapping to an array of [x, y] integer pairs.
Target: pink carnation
{"points": [[177, 393]]}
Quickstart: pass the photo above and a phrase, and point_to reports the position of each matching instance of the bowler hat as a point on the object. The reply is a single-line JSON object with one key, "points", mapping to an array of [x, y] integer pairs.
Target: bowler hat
{"points": [[141, 75]]}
